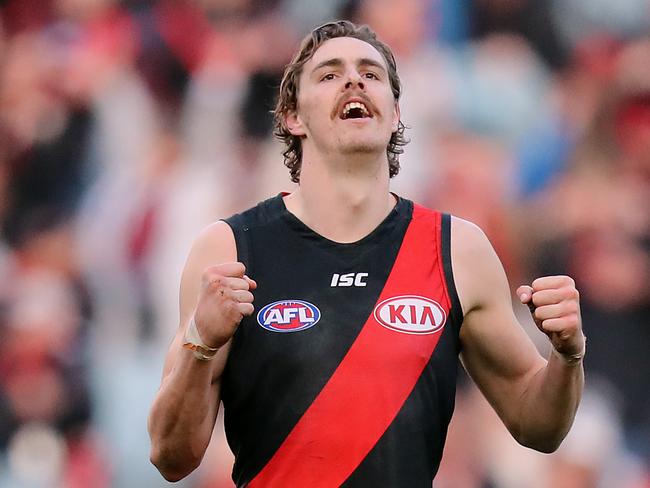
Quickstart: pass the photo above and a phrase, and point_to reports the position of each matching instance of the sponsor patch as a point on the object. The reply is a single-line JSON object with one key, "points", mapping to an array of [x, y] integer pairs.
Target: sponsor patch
{"points": [[410, 314], [288, 316]]}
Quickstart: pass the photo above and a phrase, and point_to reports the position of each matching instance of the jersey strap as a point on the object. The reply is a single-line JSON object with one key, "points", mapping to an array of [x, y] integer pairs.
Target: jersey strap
{"points": [[374, 379]]}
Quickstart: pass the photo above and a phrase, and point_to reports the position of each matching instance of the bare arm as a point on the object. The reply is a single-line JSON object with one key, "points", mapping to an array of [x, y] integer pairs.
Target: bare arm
{"points": [[535, 398], [216, 293]]}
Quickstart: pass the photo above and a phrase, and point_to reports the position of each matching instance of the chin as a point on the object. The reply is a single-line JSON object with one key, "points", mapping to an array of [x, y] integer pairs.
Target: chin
{"points": [[363, 147]]}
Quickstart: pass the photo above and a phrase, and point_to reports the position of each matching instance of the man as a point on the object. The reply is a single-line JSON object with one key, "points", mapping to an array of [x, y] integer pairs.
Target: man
{"points": [[346, 373]]}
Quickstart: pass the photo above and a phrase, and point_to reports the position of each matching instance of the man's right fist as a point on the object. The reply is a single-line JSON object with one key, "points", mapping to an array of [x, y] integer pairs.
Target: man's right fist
{"points": [[225, 299]]}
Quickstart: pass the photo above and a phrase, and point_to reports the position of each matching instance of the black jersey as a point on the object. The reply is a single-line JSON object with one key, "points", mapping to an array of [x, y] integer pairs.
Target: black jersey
{"points": [[346, 373]]}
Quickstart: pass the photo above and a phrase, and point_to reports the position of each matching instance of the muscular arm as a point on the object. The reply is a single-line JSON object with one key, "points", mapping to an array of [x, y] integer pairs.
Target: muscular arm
{"points": [[535, 398], [185, 408]]}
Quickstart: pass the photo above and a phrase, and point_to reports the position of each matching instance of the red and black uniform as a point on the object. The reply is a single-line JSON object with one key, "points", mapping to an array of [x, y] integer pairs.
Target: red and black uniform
{"points": [[346, 373]]}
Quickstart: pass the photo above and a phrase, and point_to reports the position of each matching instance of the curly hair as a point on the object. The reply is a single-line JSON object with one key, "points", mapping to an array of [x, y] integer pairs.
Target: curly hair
{"points": [[288, 97]]}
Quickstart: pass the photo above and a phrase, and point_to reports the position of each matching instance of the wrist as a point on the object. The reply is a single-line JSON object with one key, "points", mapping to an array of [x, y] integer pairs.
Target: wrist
{"points": [[192, 340], [572, 359]]}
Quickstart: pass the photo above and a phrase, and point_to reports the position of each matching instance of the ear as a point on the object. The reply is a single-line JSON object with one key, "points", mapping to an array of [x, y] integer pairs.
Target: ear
{"points": [[396, 118], [294, 124]]}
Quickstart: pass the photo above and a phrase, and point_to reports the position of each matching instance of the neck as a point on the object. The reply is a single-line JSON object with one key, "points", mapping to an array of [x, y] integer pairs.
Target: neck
{"points": [[343, 202]]}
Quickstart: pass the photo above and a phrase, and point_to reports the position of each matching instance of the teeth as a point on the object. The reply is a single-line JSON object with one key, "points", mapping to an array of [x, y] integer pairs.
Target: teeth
{"points": [[351, 105]]}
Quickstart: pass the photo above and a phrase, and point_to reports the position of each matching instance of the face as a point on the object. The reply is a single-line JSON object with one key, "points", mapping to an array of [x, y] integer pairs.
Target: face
{"points": [[345, 103]]}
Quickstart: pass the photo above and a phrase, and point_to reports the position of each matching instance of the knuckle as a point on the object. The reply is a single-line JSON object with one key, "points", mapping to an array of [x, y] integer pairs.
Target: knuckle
{"points": [[207, 271], [212, 271], [215, 285], [237, 269], [569, 281], [573, 320], [212, 276], [568, 323], [229, 307], [207, 274]]}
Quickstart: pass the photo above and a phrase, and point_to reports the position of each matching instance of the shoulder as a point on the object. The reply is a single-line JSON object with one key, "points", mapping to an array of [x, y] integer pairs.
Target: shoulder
{"points": [[477, 269], [468, 239], [214, 244], [260, 214]]}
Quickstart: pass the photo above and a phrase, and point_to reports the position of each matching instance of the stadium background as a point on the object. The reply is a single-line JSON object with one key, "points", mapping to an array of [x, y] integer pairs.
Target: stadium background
{"points": [[126, 126]]}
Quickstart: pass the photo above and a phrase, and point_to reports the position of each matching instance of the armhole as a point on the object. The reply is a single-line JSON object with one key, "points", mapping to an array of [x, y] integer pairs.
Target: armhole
{"points": [[240, 231], [456, 312]]}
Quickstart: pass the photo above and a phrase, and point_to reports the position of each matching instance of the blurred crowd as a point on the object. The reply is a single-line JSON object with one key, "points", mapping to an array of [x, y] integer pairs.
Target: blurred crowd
{"points": [[127, 126]]}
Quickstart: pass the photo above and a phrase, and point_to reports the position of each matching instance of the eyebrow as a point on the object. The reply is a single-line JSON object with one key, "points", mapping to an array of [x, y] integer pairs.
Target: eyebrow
{"points": [[338, 62]]}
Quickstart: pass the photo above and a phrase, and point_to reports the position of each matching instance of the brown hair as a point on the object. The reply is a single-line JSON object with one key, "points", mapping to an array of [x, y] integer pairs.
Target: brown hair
{"points": [[288, 97]]}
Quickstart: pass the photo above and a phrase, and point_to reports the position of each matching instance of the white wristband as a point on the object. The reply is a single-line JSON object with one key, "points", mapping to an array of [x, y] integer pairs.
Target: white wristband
{"points": [[194, 343]]}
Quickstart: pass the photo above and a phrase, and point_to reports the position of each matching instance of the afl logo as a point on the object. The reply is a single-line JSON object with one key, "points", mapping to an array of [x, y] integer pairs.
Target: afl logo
{"points": [[288, 316], [411, 314]]}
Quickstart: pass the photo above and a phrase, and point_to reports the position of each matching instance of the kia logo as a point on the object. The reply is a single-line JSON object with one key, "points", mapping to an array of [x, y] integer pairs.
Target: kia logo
{"points": [[411, 314]]}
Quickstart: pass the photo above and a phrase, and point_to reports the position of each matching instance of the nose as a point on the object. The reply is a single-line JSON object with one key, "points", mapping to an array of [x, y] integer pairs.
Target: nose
{"points": [[355, 79]]}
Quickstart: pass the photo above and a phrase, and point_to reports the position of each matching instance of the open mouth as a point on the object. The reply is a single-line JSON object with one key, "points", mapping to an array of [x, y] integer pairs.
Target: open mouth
{"points": [[355, 110]]}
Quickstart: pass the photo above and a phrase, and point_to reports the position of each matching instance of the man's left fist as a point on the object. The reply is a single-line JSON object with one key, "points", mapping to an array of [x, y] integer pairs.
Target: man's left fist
{"points": [[554, 303]]}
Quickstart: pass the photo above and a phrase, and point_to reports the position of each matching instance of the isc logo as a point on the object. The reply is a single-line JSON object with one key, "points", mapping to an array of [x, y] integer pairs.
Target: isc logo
{"points": [[288, 316], [410, 314], [349, 279]]}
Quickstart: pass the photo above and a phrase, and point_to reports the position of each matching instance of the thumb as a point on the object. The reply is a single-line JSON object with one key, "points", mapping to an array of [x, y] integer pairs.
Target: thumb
{"points": [[525, 294]]}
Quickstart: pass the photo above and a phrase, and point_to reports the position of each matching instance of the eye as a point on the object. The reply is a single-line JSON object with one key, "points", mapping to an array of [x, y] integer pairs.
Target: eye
{"points": [[370, 76], [327, 77]]}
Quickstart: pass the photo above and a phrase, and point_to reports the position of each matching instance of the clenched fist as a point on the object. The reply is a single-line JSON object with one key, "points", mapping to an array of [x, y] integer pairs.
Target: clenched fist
{"points": [[225, 299], [554, 303]]}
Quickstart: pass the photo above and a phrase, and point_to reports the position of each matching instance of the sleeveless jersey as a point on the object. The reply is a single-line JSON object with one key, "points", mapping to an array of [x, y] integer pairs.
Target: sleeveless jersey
{"points": [[345, 375]]}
